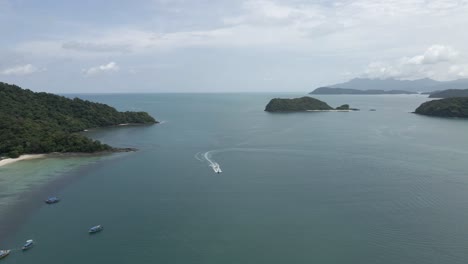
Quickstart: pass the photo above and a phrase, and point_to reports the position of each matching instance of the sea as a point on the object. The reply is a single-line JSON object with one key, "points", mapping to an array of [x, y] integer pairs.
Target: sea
{"points": [[383, 186]]}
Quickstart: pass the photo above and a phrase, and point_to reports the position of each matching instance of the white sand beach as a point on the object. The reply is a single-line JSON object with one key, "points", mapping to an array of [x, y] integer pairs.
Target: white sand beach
{"points": [[7, 161]]}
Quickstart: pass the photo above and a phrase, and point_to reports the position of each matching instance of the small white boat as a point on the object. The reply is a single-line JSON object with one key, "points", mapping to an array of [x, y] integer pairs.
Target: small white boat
{"points": [[52, 200], [4, 253], [96, 229], [29, 244], [216, 168]]}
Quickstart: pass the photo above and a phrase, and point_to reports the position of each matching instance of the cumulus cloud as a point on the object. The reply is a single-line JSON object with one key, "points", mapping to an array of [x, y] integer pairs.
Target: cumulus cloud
{"points": [[438, 61], [459, 71], [293, 36], [109, 67], [21, 70], [434, 54], [298, 25]]}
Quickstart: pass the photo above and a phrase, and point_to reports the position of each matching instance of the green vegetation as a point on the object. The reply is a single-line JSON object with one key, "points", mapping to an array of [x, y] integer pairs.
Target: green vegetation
{"points": [[305, 103], [449, 93], [343, 107], [346, 107], [449, 107], [42, 123], [297, 104]]}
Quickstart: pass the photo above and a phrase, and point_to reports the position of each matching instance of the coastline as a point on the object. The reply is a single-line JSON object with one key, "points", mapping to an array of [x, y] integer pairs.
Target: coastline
{"points": [[332, 110], [17, 206], [7, 161]]}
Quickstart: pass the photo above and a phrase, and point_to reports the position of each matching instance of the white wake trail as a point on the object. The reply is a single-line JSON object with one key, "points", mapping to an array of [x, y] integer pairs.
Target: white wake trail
{"points": [[213, 164], [207, 157]]}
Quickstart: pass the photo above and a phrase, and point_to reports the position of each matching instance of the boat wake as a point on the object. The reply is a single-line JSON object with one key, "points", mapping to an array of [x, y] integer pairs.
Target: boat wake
{"points": [[216, 168], [207, 157]]}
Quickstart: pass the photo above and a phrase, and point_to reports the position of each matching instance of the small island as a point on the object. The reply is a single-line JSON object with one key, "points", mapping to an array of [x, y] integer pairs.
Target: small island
{"points": [[302, 104], [38, 123], [335, 91], [448, 107], [449, 93]]}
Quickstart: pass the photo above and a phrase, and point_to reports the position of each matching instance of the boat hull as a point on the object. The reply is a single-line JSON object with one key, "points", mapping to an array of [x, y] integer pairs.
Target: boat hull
{"points": [[96, 229], [52, 201], [4, 254], [29, 244]]}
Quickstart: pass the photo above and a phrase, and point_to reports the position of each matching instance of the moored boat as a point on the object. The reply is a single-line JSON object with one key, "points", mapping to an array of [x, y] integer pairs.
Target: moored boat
{"points": [[29, 244], [96, 229], [52, 200], [4, 253]]}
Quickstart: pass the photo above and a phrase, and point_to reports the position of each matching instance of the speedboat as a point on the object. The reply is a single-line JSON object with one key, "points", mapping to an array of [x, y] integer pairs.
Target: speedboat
{"points": [[216, 168], [96, 229], [4, 253], [52, 200], [29, 244]]}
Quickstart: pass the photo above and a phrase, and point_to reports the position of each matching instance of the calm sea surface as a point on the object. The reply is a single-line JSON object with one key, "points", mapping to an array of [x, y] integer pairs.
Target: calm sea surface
{"points": [[383, 186]]}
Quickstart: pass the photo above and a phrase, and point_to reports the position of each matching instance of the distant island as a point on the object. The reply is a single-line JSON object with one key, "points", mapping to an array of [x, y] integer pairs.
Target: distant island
{"points": [[331, 90], [302, 104], [389, 84], [449, 93], [33, 122], [448, 107]]}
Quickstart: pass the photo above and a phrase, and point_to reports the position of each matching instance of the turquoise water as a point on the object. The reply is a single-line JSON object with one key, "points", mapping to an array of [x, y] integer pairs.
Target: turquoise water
{"points": [[361, 187]]}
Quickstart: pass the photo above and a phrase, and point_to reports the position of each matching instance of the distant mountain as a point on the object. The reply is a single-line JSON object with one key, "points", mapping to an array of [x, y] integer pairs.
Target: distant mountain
{"points": [[448, 107], [328, 90], [449, 93], [421, 85]]}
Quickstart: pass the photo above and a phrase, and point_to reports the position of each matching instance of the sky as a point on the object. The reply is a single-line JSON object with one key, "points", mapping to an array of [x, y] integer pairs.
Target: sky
{"points": [[227, 45]]}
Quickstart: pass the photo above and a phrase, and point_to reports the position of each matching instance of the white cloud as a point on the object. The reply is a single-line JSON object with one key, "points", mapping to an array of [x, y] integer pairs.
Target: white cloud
{"points": [[21, 70], [435, 54], [339, 26], [295, 37], [109, 67], [459, 71], [438, 61]]}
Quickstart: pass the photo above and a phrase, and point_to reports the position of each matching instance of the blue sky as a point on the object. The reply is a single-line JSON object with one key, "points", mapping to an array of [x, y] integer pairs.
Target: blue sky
{"points": [[227, 46]]}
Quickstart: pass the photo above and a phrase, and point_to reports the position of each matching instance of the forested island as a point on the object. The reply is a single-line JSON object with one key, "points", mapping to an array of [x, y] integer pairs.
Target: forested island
{"points": [[448, 107], [336, 90], [305, 103], [449, 93], [33, 122]]}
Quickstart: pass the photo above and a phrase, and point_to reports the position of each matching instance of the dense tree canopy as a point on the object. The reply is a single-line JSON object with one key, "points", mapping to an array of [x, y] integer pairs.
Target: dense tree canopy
{"points": [[41, 122], [297, 104], [449, 107]]}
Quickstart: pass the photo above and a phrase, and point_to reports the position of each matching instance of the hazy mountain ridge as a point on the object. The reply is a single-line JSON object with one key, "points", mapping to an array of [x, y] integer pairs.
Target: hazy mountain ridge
{"points": [[449, 93], [420, 85], [329, 90]]}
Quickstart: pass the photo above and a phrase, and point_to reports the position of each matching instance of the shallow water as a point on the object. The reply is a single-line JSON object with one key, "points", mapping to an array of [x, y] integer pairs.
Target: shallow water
{"points": [[360, 187]]}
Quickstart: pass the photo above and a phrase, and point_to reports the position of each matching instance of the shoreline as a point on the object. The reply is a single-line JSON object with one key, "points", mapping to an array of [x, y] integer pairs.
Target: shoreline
{"points": [[8, 161], [28, 201], [332, 110]]}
